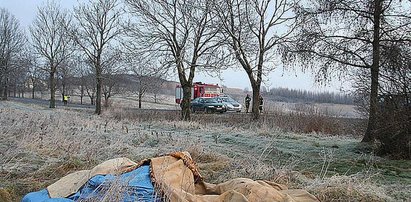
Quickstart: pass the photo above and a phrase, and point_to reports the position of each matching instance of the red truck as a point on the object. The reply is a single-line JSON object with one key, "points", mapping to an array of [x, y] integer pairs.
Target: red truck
{"points": [[199, 90]]}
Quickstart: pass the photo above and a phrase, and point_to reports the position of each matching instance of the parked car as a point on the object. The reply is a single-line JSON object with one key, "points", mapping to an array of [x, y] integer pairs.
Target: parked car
{"points": [[208, 105], [232, 105]]}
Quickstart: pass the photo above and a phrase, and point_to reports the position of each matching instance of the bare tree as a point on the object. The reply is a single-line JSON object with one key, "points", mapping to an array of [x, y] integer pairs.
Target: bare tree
{"points": [[85, 72], [180, 33], [91, 92], [256, 30], [394, 100], [12, 42], [90, 86], [394, 115], [156, 86], [81, 71], [395, 74], [341, 34], [113, 71], [35, 77], [19, 75], [64, 76], [146, 82], [81, 86], [146, 71], [50, 41], [98, 25]]}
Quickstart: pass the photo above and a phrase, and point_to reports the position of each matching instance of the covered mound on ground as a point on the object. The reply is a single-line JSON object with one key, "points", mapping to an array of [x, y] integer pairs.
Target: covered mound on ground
{"points": [[173, 177]]}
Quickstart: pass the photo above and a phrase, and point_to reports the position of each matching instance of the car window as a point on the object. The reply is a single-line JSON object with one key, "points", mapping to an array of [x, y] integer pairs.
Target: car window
{"points": [[210, 100], [228, 99], [231, 100]]}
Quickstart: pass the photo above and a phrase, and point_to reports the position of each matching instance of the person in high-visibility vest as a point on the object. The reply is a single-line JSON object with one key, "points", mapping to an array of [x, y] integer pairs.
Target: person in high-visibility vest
{"points": [[65, 99]]}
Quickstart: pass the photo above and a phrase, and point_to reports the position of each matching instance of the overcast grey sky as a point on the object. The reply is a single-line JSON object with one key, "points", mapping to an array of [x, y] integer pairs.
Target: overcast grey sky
{"points": [[25, 11]]}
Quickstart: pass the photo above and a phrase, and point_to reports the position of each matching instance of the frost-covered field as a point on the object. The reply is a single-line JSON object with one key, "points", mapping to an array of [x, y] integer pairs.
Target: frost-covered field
{"points": [[39, 145], [168, 102]]}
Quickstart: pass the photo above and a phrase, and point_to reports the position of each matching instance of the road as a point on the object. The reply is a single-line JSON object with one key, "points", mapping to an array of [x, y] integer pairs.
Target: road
{"points": [[45, 103]]}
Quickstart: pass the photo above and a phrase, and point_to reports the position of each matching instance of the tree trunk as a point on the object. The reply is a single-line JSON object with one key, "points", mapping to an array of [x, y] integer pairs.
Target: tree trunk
{"points": [[256, 101], [1, 84], [15, 89], [140, 96], [255, 85], [99, 86], [370, 134], [52, 90], [106, 97], [64, 87], [91, 100], [185, 105], [186, 85], [5, 88], [32, 92], [81, 94]]}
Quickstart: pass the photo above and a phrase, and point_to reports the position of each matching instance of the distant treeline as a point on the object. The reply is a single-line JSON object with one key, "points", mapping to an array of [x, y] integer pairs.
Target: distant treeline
{"points": [[292, 95]]}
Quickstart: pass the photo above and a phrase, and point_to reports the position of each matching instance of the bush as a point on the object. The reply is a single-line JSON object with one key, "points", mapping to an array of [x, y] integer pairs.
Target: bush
{"points": [[394, 133]]}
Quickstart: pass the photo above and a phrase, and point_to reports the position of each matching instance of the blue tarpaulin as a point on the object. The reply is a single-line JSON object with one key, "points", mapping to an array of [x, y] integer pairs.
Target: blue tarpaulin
{"points": [[134, 186]]}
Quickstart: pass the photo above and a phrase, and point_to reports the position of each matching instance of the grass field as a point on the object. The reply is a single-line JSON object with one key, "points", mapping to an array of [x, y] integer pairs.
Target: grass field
{"points": [[40, 145]]}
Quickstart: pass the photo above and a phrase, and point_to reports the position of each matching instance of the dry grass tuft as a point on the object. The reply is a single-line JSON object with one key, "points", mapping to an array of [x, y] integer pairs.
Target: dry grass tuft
{"points": [[209, 163], [185, 125], [199, 155], [5, 195], [348, 188]]}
